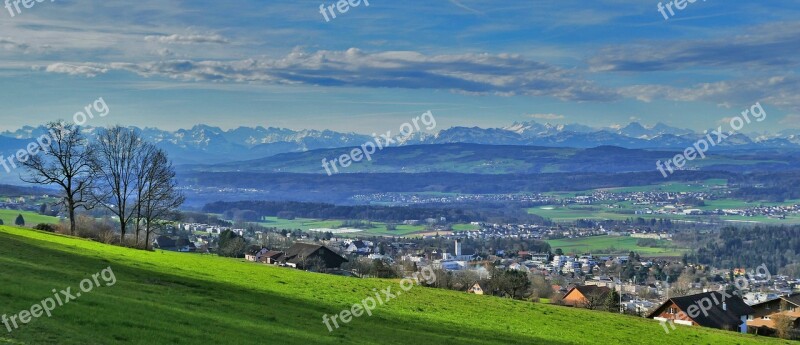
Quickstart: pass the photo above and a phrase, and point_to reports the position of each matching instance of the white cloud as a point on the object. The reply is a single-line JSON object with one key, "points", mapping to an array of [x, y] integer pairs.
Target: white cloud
{"points": [[500, 74], [776, 91], [792, 120], [188, 39], [725, 121], [770, 46], [547, 116], [10, 44], [87, 70]]}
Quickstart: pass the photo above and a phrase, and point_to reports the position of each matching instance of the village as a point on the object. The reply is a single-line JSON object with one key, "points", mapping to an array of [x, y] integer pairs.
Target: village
{"points": [[663, 289]]}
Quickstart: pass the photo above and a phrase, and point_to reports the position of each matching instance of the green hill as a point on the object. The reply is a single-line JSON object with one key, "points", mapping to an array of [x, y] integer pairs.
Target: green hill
{"points": [[177, 298], [494, 159], [31, 218]]}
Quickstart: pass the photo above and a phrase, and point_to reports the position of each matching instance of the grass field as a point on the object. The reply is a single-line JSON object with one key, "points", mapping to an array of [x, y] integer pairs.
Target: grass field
{"points": [[31, 218], [619, 244], [572, 213], [466, 227], [378, 228], [672, 187], [599, 211], [162, 297], [305, 224]]}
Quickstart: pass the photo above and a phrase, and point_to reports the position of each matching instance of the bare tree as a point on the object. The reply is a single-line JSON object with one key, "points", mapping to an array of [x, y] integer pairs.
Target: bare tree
{"points": [[683, 286], [116, 154], [463, 280], [783, 322], [144, 168], [593, 300], [160, 197], [66, 161]]}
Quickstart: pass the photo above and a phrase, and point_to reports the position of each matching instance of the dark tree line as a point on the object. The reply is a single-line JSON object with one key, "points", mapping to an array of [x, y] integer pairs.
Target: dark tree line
{"points": [[290, 209], [778, 247]]}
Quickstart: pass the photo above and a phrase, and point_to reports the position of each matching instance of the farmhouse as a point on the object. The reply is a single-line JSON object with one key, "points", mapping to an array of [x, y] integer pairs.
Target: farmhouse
{"points": [[255, 254], [165, 243], [305, 256], [709, 309], [586, 296], [767, 312], [271, 257], [478, 289]]}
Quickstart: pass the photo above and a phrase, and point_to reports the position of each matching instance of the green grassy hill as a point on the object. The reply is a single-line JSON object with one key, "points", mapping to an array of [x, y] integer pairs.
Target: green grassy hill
{"points": [[202, 299], [31, 218]]}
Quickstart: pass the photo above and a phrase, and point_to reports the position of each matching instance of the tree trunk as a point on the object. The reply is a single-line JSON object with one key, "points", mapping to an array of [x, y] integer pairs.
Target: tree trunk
{"points": [[72, 222], [147, 235], [122, 227], [71, 209]]}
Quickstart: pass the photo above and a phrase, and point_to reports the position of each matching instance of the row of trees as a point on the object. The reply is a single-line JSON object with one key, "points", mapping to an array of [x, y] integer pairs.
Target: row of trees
{"points": [[777, 246], [119, 171]]}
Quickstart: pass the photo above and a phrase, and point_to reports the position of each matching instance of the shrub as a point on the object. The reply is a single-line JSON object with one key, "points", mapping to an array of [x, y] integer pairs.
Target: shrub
{"points": [[45, 227], [88, 227]]}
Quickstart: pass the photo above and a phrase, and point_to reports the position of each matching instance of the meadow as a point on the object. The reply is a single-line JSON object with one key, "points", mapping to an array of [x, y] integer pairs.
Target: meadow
{"points": [[600, 211], [614, 244], [31, 218], [164, 297], [378, 228]]}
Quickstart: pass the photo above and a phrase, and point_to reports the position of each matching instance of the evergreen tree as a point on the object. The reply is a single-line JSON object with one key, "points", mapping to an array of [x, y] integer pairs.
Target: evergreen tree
{"points": [[612, 302]]}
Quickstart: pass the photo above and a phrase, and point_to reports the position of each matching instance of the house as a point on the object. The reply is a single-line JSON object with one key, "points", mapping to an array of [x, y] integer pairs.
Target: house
{"points": [[540, 257], [185, 246], [358, 247], [558, 289], [271, 257], [304, 256], [765, 312], [586, 296], [708, 309], [255, 254], [165, 243], [602, 281], [638, 306], [478, 289]]}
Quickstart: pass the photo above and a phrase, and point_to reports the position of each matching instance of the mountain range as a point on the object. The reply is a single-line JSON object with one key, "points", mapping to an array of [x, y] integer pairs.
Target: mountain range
{"points": [[203, 144]]}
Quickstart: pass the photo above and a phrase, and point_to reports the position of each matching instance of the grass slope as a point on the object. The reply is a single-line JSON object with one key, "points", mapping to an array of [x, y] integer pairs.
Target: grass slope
{"points": [[31, 218], [182, 298]]}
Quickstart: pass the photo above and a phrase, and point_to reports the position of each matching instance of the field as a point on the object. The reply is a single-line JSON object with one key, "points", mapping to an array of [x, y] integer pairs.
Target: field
{"points": [[617, 244], [378, 228], [305, 224], [31, 218], [671, 187], [571, 213], [162, 297], [625, 210]]}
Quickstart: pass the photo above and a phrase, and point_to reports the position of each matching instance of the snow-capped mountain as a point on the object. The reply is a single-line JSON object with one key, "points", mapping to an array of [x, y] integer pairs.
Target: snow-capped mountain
{"points": [[208, 144], [637, 130]]}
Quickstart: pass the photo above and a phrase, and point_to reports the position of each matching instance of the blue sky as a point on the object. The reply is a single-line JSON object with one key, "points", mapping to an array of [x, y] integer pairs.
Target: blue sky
{"points": [[174, 64]]}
